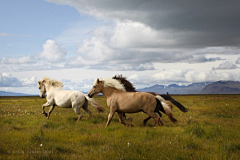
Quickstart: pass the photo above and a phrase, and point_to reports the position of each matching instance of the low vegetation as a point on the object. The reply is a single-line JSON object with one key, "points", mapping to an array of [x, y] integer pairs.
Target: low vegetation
{"points": [[210, 130]]}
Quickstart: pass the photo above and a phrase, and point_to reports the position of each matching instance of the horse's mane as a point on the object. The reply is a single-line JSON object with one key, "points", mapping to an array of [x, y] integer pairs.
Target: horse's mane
{"points": [[109, 82], [127, 85], [53, 82]]}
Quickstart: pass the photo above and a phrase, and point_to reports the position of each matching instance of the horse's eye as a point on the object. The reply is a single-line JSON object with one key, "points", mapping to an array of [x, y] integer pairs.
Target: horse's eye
{"points": [[94, 86]]}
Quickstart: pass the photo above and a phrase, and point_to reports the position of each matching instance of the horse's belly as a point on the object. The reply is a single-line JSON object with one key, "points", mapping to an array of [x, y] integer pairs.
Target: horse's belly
{"points": [[131, 110], [130, 106], [65, 104], [135, 102]]}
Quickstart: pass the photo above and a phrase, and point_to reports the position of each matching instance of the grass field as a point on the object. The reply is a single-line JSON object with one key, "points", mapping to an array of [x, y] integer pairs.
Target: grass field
{"points": [[210, 130]]}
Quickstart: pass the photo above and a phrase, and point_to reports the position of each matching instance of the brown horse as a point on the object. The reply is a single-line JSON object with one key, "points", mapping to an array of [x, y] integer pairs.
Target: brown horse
{"points": [[163, 108], [120, 101]]}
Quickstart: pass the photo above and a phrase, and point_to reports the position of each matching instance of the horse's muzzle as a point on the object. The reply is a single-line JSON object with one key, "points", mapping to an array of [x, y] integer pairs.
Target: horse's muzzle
{"points": [[89, 95]]}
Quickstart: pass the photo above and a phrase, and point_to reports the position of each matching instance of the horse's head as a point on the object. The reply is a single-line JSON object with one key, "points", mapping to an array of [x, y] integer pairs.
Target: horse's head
{"points": [[42, 88], [97, 88]]}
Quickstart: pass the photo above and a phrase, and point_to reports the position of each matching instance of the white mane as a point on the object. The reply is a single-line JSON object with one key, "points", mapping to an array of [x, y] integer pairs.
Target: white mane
{"points": [[109, 82], [53, 82]]}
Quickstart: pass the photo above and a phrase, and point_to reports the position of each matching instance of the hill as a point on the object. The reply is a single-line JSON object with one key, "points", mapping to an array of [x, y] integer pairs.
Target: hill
{"points": [[194, 88], [3, 93], [222, 87]]}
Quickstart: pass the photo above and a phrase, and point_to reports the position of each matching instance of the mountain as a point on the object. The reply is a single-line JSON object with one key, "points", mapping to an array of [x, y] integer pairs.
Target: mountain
{"points": [[222, 87], [194, 88], [3, 93], [219, 87]]}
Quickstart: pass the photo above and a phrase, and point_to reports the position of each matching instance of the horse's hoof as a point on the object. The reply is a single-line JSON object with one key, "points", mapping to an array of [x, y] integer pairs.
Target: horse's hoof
{"points": [[45, 114], [130, 119], [129, 125], [144, 124]]}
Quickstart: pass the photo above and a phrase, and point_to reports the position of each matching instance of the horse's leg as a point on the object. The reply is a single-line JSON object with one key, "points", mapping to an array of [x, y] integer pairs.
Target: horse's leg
{"points": [[43, 106], [159, 119], [156, 117], [50, 110], [168, 110], [169, 113], [127, 118], [120, 117], [77, 110], [145, 121], [171, 117], [85, 107], [110, 116]]}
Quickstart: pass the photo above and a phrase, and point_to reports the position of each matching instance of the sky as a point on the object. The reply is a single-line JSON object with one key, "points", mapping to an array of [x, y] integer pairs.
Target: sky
{"points": [[147, 41]]}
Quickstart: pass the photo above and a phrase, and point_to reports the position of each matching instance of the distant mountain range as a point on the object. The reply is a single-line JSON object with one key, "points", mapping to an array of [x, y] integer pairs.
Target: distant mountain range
{"points": [[3, 93], [219, 87]]}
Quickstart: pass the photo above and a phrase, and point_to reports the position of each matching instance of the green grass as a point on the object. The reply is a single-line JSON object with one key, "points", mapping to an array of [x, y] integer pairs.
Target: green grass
{"points": [[210, 130]]}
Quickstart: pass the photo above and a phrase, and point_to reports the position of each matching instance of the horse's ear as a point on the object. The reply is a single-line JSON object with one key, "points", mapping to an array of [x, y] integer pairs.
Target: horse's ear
{"points": [[43, 81], [97, 80]]}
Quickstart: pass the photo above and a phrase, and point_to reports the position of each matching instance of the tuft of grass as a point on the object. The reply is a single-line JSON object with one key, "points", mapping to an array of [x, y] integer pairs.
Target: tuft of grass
{"points": [[195, 129]]}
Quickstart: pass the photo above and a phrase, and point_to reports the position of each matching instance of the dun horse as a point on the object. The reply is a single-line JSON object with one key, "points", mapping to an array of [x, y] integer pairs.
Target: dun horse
{"points": [[120, 101], [56, 96], [167, 109]]}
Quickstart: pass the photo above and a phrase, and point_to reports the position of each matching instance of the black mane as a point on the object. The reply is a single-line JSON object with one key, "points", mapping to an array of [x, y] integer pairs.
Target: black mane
{"points": [[127, 85]]}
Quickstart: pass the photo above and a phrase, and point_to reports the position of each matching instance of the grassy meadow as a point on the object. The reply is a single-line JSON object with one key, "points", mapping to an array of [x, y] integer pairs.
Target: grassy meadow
{"points": [[210, 130]]}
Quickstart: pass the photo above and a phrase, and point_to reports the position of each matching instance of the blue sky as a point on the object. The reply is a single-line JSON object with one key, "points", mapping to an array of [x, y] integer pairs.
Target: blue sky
{"points": [[149, 42]]}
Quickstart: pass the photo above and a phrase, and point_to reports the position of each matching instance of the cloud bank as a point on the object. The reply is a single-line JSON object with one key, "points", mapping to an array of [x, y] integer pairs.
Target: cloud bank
{"points": [[7, 80], [192, 24]]}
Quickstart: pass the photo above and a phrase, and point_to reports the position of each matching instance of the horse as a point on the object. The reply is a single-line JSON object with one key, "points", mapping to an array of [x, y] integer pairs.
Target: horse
{"points": [[120, 101], [163, 108], [56, 96]]}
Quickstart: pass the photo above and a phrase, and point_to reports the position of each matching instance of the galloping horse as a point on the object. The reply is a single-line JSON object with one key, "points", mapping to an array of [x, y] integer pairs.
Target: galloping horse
{"points": [[120, 101], [163, 108], [56, 96]]}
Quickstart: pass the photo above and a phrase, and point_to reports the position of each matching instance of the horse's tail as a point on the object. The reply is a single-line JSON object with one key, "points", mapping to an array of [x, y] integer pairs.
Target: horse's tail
{"points": [[176, 103], [167, 108], [94, 104]]}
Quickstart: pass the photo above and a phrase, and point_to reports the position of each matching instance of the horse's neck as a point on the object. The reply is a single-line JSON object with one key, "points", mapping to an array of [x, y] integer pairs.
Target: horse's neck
{"points": [[108, 91], [50, 89]]}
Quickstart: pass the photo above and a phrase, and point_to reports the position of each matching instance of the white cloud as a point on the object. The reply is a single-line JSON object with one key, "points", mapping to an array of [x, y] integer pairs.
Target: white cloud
{"points": [[20, 60], [136, 35], [200, 59], [238, 61], [225, 65], [52, 51], [181, 75], [7, 80], [29, 82]]}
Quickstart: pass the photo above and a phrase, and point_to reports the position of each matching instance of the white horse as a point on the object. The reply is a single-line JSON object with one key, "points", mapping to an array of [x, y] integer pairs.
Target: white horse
{"points": [[56, 96]]}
